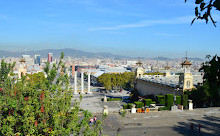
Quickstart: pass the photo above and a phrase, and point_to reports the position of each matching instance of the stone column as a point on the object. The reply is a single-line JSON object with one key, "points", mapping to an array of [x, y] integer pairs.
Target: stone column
{"points": [[75, 83], [82, 82], [105, 110], [89, 83], [133, 109], [190, 105], [105, 99]]}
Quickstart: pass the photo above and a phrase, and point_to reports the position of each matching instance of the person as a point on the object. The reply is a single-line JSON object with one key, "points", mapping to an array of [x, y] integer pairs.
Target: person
{"points": [[191, 126], [91, 121], [199, 128], [95, 118]]}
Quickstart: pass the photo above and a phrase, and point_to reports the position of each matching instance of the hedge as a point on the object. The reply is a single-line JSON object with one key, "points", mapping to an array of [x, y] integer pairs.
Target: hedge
{"points": [[160, 99], [163, 108], [153, 102], [147, 102], [125, 106], [185, 101], [169, 100], [139, 104], [130, 105], [178, 99], [114, 99]]}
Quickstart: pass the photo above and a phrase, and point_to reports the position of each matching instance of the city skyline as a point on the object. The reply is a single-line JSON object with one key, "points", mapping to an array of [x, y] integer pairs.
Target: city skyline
{"points": [[127, 28]]}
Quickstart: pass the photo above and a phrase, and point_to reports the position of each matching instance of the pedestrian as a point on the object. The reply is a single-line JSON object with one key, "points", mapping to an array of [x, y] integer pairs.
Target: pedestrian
{"points": [[95, 118], [199, 128], [191, 126], [91, 121]]}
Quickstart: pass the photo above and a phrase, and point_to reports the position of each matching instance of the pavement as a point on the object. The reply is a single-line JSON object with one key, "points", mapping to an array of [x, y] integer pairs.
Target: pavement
{"points": [[92, 102], [165, 123]]}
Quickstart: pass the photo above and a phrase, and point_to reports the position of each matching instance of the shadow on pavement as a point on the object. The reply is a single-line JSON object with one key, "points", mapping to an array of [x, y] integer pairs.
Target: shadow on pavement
{"points": [[210, 126]]}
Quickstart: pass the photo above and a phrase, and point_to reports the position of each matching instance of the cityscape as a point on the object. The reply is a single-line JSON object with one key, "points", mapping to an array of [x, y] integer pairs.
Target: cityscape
{"points": [[115, 68]]}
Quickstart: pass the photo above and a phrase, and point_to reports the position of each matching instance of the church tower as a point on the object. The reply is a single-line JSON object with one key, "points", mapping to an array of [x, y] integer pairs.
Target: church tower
{"points": [[139, 72], [186, 78], [22, 70], [167, 68]]}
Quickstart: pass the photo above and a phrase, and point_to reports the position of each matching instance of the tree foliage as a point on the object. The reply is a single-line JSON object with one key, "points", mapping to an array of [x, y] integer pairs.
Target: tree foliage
{"points": [[204, 8], [209, 92], [109, 81], [35, 105], [211, 82]]}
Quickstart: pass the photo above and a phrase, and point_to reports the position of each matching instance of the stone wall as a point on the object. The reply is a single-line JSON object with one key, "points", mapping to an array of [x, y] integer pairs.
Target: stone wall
{"points": [[146, 88]]}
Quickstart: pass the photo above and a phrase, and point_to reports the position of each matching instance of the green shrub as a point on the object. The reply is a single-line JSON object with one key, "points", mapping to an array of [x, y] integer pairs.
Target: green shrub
{"points": [[147, 102], [114, 99], [161, 99], [169, 100], [139, 104], [178, 99], [153, 102], [185, 101], [163, 108], [130, 105], [125, 106]]}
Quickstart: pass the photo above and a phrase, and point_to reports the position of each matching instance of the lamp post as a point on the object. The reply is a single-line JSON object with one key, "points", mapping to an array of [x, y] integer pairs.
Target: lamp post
{"points": [[177, 89]]}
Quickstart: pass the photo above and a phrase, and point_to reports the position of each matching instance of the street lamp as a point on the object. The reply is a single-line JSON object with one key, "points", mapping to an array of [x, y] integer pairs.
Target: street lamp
{"points": [[177, 89]]}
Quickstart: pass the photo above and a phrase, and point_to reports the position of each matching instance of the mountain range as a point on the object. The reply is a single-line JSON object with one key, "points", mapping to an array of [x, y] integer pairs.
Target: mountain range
{"points": [[56, 53], [78, 54]]}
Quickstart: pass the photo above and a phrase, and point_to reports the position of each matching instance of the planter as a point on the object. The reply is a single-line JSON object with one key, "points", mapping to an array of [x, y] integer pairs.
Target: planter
{"points": [[139, 110], [147, 110]]}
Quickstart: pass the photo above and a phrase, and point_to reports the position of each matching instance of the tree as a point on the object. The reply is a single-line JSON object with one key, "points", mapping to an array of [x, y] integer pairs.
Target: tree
{"points": [[36, 105], [125, 80], [203, 10], [211, 79]]}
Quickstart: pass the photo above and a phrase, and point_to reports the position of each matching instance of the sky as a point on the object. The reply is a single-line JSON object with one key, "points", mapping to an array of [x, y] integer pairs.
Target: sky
{"points": [[140, 28]]}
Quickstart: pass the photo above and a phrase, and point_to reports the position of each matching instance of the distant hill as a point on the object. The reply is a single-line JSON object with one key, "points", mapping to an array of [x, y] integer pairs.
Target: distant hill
{"points": [[78, 53], [56, 53], [162, 59]]}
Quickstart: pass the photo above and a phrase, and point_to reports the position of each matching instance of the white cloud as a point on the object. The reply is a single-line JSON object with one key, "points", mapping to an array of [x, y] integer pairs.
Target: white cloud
{"points": [[146, 23], [167, 34]]}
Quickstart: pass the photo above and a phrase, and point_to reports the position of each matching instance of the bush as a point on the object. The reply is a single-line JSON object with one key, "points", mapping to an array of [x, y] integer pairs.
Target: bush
{"points": [[125, 106], [161, 99], [130, 105], [153, 102], [169, 100], [147, 102], [185, 101], [139, 104], [163, 108], [114, 99], [178, 99]]}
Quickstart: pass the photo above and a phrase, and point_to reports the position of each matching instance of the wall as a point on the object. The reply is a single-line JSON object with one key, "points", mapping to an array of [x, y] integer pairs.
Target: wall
{"points": [[146, 88]]}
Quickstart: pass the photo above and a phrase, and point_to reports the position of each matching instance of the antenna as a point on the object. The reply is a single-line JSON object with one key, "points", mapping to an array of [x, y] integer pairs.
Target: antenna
{"points": [[186, 54]]}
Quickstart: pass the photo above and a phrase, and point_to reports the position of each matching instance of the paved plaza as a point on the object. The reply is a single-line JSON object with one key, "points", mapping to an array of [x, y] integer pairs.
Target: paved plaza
{"points": [[92, 102], [165, 123], [162, 123]]}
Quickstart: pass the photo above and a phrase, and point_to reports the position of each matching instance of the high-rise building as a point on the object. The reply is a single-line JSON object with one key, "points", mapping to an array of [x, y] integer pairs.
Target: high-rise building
{"points": [[50, 57], [37, 59]]}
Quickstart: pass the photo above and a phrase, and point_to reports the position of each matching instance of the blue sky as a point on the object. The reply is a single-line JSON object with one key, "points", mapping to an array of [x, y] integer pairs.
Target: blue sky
{"points": [[145, 28]]}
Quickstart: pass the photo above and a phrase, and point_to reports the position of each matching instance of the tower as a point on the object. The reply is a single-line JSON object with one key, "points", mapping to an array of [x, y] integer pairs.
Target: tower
{"points": [[50, 57], [186, 78], [37, 59], [167, 68], [139, 72], [22, 70]]}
